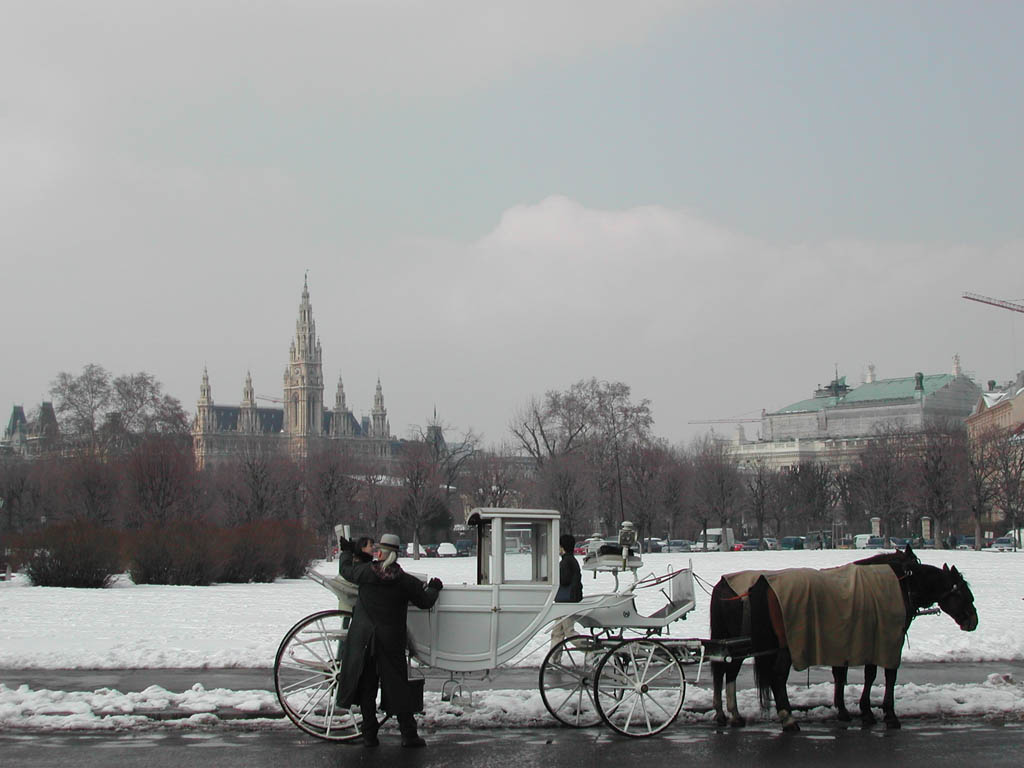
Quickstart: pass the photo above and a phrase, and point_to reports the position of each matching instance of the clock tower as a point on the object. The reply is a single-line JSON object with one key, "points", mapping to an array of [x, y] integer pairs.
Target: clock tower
{"points": [[303, 378]]}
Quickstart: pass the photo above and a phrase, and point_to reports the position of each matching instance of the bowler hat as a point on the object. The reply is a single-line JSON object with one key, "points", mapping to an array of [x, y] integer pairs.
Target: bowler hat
{"points": [[389, 541]]}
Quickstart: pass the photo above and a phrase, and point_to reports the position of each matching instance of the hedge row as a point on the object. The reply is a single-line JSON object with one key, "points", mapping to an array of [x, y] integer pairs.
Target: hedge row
{"points": [[83, 554]]}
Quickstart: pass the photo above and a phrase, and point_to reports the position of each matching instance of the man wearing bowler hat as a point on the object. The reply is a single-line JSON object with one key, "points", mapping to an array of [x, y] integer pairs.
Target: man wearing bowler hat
{"points": [[374, 653]]}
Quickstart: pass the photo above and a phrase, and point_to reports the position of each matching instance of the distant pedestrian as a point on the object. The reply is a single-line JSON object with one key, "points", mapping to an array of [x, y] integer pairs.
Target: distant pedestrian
{"points": [[570, 590], [374, 654]]}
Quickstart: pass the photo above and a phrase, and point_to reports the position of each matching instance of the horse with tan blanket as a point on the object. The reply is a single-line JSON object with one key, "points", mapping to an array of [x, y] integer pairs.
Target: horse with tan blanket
{"points": [[856, 614]]}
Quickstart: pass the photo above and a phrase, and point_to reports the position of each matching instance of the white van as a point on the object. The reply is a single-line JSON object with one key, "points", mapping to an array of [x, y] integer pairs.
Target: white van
{"points": [[861, 540], [717, 540]]}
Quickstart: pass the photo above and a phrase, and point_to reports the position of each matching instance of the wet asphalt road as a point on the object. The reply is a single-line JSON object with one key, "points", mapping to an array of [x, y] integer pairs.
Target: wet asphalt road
{"points": [[929, 744]]}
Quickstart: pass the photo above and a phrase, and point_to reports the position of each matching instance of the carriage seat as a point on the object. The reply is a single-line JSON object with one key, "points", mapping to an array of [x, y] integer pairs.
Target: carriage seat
{"points": [[680, 596]]}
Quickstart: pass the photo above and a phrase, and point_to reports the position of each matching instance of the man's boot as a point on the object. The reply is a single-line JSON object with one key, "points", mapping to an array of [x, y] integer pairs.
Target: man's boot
{"points": [[369, 727], [407, 726]]}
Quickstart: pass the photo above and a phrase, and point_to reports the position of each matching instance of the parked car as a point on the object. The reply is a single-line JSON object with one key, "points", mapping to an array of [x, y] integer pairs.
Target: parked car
{"points": [[771, 543], [447, 549], [653, 545], [751, 545], [409, 550], [818, 540], [1002, 544], [897, 542], [678, 545], [791, 542], [875, 542], [465, 547]]}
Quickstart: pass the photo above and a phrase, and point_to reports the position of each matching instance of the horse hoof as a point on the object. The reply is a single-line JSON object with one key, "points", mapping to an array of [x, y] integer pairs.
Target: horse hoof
{"points": [[721, 721], [867, 718], [843, 716], [892, 724], [791, 727], [738, 722]]}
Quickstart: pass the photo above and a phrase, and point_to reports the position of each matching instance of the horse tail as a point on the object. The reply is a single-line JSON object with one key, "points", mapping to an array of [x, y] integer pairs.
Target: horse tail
{"points": [[720, 610], [762, 642]]}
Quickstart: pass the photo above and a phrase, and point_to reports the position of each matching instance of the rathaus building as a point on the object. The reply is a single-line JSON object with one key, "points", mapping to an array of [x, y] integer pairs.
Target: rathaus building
{"points": [[302, 425]]}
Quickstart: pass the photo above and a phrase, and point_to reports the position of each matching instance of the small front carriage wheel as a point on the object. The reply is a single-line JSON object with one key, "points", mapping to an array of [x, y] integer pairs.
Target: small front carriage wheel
{"points": [[567, 681], [307, 671], [639, 687]]}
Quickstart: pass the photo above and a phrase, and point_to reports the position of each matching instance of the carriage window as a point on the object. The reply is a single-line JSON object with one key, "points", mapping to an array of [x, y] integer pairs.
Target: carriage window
{"points": [[526, 552], [483, 554]]}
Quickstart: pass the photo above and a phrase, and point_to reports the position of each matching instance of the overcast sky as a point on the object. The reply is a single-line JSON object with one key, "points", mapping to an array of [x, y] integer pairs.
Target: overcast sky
{"points": [[714, 202]]}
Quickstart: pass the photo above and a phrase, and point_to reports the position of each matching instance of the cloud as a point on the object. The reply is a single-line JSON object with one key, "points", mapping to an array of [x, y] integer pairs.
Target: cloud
{"points": [[308, 49]]}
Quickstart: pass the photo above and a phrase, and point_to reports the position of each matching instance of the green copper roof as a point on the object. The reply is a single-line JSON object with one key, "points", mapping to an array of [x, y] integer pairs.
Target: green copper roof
{"points": [[876, 391]]}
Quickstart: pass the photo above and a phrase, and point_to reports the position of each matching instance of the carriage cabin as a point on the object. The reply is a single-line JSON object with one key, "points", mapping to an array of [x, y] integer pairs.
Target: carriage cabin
{"points": [[480, 625]]}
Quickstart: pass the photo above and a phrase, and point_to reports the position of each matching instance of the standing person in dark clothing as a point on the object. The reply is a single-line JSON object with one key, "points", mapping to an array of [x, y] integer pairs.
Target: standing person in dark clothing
{"points": [[570, 589], [374, 653]]}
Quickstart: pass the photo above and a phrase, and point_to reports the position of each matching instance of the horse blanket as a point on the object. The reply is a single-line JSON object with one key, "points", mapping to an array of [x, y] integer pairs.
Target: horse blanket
{"points": [[850, 615]]}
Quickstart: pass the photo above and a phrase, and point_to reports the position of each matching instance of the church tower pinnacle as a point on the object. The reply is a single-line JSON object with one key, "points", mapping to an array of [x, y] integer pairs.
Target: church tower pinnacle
{"points": [[379, 414], [247, 410], [303, 378]]}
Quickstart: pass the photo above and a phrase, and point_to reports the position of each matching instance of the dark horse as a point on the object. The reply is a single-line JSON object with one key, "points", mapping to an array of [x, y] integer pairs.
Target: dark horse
{"points": [[921, 586]]}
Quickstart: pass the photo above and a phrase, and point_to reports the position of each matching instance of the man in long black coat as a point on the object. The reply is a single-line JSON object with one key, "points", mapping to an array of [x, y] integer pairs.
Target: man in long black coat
{"points": [[375, 648]]}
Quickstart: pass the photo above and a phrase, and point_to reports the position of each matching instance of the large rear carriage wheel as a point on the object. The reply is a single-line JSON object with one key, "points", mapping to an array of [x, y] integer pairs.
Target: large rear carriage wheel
{"points": [[640, 686], [307, 671], [567, 681]]}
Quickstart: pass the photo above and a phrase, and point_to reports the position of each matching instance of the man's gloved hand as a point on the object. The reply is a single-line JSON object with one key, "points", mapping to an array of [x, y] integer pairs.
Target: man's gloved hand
{"points": [[435, 583], [344, 544]]}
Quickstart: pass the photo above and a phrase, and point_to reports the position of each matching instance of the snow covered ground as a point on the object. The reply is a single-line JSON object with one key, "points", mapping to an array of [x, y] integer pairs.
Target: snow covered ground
{"points": [[129, 626]]}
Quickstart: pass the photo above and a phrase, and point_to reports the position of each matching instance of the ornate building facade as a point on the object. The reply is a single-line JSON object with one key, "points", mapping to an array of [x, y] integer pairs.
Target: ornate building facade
{"points": [[31, 437], [838, 422], [302, 425]]}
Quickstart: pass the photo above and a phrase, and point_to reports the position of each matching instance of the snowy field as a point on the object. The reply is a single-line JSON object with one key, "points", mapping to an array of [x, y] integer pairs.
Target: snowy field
{"points": [[130, 626]]}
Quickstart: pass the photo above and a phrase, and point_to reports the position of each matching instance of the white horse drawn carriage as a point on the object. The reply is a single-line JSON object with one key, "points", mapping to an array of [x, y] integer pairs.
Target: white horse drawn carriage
{"points": [[624, 672]]}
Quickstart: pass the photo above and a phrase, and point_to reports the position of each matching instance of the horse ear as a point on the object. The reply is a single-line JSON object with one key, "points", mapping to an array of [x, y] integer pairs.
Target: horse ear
{"points": [[945, 567]]}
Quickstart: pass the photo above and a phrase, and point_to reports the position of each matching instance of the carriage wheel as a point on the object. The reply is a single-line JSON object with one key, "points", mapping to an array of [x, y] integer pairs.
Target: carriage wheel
{"points": [[307, 670], [640, 687], [567, 681]]}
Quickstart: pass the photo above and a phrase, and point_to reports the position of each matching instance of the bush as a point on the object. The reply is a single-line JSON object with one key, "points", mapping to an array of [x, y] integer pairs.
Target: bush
{"points": [[179, 553], [299, 545], [76, 553], [253, 552]]}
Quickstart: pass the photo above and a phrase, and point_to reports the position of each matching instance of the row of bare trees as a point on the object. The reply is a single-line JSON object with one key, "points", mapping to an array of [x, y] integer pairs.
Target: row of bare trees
{"points": [[589, 452], [102, 413]]}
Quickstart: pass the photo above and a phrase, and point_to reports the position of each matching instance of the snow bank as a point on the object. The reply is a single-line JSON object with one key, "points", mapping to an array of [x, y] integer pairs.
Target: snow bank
{"points": [[231, 625]]}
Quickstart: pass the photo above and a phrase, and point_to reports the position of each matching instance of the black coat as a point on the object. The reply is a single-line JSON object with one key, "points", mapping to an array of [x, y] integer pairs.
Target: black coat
{"points": [[378, 626], [570, 580]]}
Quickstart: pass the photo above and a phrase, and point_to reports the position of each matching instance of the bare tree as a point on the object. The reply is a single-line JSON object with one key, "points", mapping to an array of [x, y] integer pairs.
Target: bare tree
{"points": [[562, 485], [815, 494], [645, 468], [81, 402], [553, 426], [261, 486], [717, 485], [981, 469], [880, 477], [677, 491], [19, 494], [618, 424], [422, 480], [493, 479], [939, 476], [760, 481], [332, 488], [161, 480], [1008, 477], [112, 415]]}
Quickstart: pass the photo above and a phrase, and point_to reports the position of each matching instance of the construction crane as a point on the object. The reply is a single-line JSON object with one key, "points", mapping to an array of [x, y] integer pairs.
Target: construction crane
{"points": [[1013, 306], [270, 399]]}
